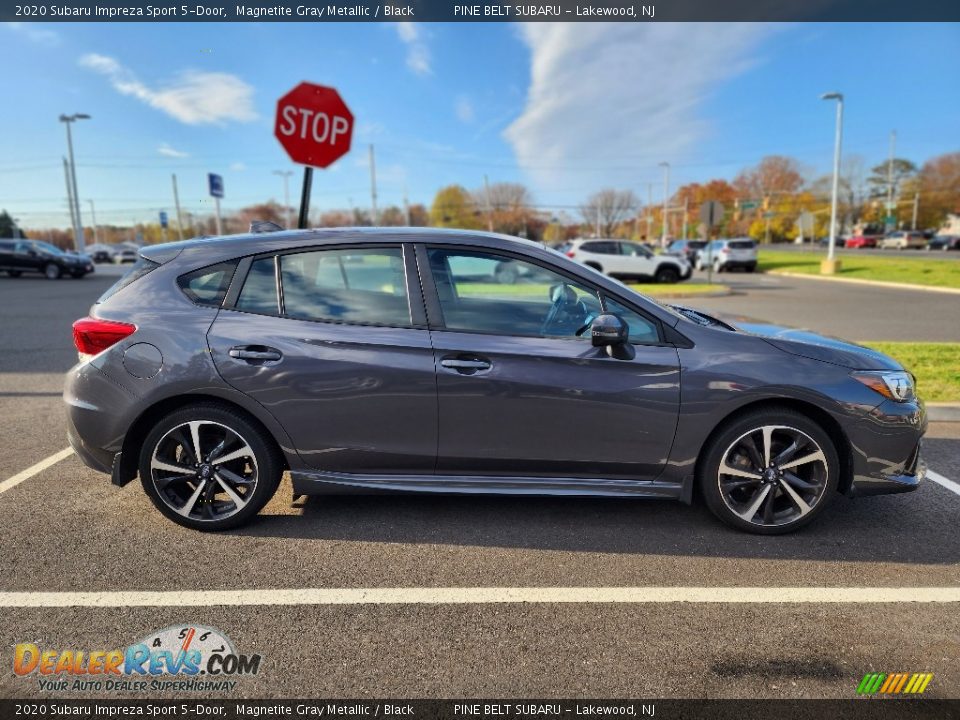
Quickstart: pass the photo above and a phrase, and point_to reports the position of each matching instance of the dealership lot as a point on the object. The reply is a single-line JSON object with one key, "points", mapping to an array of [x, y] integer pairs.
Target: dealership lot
{"points": [[69, 530]]}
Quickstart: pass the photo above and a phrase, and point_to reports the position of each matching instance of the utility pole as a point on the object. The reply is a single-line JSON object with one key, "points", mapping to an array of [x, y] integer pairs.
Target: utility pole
{"points": [[649, 212], [77, 220], [685, 218], [73, 211], [916, 208], [893, 145], [285, 174], [93, 216], [666, 199], [486, 200], [373, 188], [406, 205], [176, 202]]}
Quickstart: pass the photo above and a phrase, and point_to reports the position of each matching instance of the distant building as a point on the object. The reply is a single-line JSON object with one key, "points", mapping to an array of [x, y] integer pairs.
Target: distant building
{"points": [[951, 226]]}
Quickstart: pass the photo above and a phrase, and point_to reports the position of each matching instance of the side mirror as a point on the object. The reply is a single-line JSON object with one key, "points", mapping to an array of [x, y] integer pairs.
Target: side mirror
{"points": [[608, 330]]}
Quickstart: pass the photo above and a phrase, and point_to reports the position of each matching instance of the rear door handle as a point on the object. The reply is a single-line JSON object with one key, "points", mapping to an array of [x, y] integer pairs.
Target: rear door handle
{"points": [[465, 365], [255, 353]]}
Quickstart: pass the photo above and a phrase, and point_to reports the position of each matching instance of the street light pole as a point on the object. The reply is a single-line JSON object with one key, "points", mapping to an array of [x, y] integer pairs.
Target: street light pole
{"points": [[285, 174], [77, 222], [93, 216], [893, 146], [831, 265], [666, 198]]}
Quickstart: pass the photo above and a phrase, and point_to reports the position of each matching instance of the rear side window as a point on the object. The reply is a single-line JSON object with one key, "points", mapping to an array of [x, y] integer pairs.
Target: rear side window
{"points": [[259, 293], [208, 285], [365, 286], [600, 248], [742, 245], [140, 268]]}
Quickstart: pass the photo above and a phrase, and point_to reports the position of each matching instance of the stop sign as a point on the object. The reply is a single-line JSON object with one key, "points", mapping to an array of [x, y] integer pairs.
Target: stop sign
{"points": [[313, 124]]}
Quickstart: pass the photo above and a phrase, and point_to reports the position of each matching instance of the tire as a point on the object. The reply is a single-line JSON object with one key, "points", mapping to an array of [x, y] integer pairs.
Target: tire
{"points": [[750, 268], [14, 273], [595, 266], [735, 498], [52, 271], [718, 268], [253, 478], [667, 275]]}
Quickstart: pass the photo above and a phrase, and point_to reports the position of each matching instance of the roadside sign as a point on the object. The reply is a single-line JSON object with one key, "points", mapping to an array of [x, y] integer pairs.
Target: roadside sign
{"points": [[163, 219], [711, 213], [768, 215], [314, 125], [748, 204], [215, 183]]}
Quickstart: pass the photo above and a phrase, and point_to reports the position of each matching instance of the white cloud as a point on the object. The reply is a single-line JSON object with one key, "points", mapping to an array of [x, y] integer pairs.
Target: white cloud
{"points": [[34, 33], [165, 149], [464, 109], [616, 94], [237, 167], [418, 54], [194, 97]]}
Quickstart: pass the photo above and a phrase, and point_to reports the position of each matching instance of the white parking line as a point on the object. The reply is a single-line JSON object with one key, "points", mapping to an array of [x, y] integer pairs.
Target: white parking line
{"points": [[34, 469], [480, 596], [945, 482]]}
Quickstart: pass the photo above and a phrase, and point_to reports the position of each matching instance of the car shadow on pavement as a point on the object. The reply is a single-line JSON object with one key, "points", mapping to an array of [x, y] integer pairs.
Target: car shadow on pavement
{"points": [[911, 528]]}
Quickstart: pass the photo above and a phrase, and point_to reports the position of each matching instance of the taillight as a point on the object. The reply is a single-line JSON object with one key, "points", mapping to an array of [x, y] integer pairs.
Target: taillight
{"points": [[571, 253], [92, 336], [724, 251]]}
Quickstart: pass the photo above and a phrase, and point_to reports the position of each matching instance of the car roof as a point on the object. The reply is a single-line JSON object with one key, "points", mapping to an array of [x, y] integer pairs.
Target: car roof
{"points": [[230, 246]]}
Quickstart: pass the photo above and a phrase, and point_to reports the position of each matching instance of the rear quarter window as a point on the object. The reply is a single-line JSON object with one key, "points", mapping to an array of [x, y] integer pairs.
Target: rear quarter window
{"points": [[140, 268], [208, 286]]}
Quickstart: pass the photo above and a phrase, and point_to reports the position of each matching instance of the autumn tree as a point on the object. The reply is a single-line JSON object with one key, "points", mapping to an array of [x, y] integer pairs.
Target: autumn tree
{"points": [[605, 210], [774, 175], [881, 177], [506, 207], [939, 189], [454, 207], [419, 217], [269, 211]]}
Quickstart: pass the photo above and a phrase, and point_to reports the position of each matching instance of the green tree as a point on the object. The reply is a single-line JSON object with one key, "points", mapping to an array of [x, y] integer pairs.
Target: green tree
{"points": [[453, 207], [8, 228]]}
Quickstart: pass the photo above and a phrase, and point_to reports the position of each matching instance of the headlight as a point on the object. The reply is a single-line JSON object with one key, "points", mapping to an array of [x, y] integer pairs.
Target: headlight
{"points": [[895, 385]]}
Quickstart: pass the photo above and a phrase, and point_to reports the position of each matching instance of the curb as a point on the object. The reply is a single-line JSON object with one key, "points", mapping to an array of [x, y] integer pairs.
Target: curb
{"points": [[682, 296], [858, 281], [943, 412]]}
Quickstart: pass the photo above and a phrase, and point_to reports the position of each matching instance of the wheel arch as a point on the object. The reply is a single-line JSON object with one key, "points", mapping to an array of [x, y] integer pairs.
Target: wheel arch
{"points": [[811, 411], [126, 467], [593, 264]]}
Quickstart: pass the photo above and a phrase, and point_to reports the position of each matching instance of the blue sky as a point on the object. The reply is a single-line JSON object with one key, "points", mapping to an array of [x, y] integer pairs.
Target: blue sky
{"points": [[567, 109]]}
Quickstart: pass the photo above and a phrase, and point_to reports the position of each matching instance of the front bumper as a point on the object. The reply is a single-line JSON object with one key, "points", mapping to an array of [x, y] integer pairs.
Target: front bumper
{"points": [[886, 448]]}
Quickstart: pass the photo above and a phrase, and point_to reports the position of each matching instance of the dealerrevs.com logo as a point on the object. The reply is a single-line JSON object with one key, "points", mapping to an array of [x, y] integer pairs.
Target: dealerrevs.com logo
{"points": [[894, 683], [180, 657]]}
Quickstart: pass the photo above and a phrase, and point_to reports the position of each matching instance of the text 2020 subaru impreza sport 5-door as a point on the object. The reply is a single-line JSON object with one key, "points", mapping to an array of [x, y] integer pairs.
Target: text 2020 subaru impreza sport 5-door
{"points": [[415, 360]]}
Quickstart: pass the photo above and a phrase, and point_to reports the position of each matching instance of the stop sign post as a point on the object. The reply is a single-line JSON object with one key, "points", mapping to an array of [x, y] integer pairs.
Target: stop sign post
{"points": [[315, 127]]}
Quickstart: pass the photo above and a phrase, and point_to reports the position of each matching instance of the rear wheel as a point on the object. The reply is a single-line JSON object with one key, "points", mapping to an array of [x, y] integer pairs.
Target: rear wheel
{"points": [[667, 274], [207, 467], [769, 472], [751, 268], [506, 273], [52, 271]]}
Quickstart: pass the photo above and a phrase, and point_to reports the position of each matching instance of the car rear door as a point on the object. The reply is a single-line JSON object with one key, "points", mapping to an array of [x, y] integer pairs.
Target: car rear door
{"points": [[521, 395], [333, 342]]}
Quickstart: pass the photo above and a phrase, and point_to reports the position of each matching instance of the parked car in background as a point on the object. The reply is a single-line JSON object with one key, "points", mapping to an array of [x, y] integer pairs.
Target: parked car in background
{"points": [[903, 240], [860, 241], [687, 249], [33, 256], [627, 260], [838, 241], [101, 256], [360, 360], [944, 242], [124, 256], [728, 254]]}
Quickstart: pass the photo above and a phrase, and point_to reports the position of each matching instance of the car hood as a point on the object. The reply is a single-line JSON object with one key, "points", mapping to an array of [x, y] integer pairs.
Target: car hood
{"points": [[75, 257], [820, 347]]}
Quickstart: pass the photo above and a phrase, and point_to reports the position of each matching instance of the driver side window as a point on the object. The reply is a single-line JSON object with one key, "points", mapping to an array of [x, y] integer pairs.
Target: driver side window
{"points": [[484, 292]]}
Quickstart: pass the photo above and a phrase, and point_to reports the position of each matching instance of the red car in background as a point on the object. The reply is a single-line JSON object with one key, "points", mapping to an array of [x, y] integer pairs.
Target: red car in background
{"points": [[862, 241]]}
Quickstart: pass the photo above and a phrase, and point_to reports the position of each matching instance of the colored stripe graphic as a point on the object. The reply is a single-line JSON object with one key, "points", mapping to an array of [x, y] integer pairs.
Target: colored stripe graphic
{"points": [[894, 683]]}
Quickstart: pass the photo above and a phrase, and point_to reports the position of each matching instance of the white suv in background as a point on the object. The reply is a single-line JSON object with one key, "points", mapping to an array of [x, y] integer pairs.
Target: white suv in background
{"points": [[728, 254], [627, 260]]}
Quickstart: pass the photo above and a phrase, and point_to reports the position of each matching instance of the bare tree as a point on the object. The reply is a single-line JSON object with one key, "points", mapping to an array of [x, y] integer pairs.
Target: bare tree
{"points": [[608, 208]]}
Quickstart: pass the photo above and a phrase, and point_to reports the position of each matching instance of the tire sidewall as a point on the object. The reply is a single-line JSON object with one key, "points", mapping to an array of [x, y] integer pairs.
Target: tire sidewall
{"points": [[713, 452], [52, 271], [269, 463]]}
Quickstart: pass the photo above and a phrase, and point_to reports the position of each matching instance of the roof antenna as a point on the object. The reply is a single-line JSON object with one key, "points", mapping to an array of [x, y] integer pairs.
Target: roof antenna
{"points": [[264, 226]]}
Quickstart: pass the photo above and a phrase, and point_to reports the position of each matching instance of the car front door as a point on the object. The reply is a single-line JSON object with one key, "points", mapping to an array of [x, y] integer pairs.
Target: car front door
{"points": [[339, 353], [637, 260], [523, 393]]}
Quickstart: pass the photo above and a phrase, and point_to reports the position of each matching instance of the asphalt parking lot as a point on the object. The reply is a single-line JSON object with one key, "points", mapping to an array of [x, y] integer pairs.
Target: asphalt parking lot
{"points": [[68, 530]]}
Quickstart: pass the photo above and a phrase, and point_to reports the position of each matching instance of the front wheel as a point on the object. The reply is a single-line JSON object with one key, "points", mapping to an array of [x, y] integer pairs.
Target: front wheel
{"points": [[668, 275], [207, 467], [52, 271], [769, 472]]}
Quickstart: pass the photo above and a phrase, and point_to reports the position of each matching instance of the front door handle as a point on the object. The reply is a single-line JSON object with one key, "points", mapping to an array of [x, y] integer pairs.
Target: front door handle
{"points": [[255, 353], [465, 365]]}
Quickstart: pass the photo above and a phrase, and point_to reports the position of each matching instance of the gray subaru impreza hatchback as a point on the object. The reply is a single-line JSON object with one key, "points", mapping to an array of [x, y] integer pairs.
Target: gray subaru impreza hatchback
{"points": [[423, 360]]}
